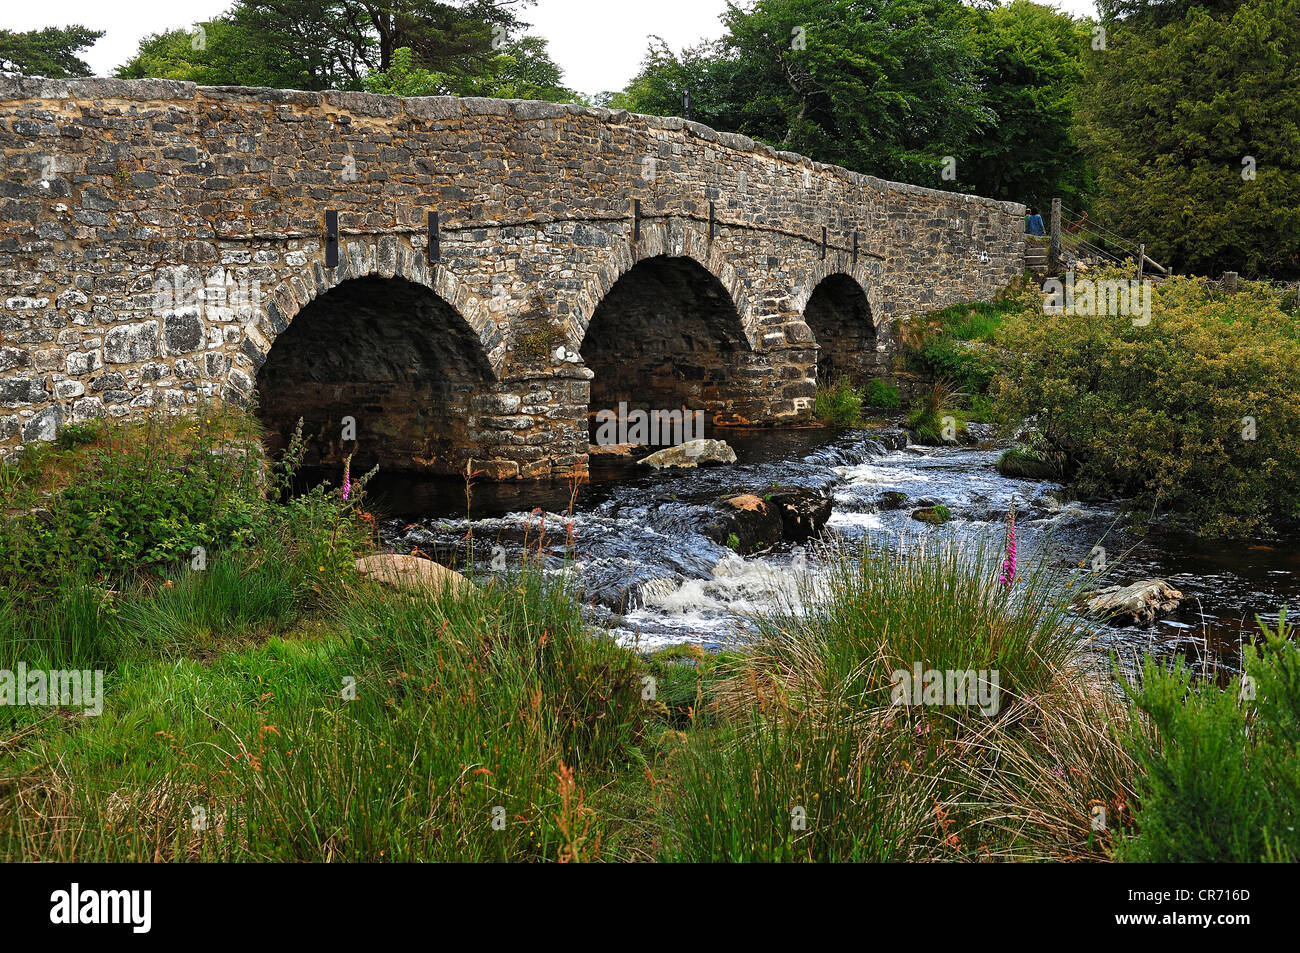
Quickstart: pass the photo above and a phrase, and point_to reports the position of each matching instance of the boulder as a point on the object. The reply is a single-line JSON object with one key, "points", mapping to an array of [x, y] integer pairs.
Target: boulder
{"points": [[757, 522], [751, 520], [692, 453], [934, 515], [410, 572], [892, 500], [1140, 602], [803, 513]]}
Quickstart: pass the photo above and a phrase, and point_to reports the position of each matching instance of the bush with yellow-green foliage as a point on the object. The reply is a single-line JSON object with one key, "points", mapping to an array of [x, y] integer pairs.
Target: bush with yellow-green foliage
{"points": [[1196, 413]]}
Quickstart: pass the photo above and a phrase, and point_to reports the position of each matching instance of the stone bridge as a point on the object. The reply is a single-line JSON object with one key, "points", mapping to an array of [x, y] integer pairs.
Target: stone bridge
{"points": [[469, 280]]}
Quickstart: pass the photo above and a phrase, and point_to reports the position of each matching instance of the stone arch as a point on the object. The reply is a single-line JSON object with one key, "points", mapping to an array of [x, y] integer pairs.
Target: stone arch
{"points": [[675, 238], [390, 257], [387, 351], [839, 314], [667, 335]]}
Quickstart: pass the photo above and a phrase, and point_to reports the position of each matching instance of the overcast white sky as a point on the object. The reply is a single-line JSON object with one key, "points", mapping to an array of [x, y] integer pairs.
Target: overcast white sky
{"points": [[598, 43]]}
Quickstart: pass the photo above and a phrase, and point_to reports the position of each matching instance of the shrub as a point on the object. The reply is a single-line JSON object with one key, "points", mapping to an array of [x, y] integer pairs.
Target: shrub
{"points": [[953, 343], [880, 393], [1222, 779], [980, 407], [972, 368], [1194, 413], [100, 571], [128, 497]]}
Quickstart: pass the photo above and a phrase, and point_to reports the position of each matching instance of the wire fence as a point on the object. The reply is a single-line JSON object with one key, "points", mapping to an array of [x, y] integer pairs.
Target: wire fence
{"points": [[1230, 283], [1087, 243], [1083, 240]]}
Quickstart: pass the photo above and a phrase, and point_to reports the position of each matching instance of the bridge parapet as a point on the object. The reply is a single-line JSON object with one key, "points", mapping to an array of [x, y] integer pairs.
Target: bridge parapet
{"points": [[157, 238]]}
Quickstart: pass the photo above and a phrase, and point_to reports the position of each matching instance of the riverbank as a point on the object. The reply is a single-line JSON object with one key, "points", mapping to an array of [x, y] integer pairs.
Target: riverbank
{"points": [[274, 705]]}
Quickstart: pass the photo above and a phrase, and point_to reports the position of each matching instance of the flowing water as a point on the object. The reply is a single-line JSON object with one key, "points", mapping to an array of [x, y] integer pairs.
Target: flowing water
{"points": [[631, 536]]}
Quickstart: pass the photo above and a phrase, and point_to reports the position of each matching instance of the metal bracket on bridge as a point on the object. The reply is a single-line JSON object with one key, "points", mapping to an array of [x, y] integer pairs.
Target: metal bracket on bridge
{"points": [[823, 243], [331, 238], [636, 220], [713, 215], [855, 247], [435, 238]]}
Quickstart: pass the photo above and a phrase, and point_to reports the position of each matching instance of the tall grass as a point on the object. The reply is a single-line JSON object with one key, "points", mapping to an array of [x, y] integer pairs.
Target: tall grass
{"points": [[812, 724], [839, 405], [402, 732]]}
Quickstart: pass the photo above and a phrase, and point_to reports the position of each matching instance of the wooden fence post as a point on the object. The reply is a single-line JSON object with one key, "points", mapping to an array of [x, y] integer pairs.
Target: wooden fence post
{"points": [[1054, 252]]}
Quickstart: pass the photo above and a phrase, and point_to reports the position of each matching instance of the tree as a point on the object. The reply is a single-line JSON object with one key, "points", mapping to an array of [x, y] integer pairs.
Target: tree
{"points": [[49, 52], [522, 69], [405, 78], [1030, 65], [222, 54], [339, 42], [888, 87], [1194, 127], [332, 44], [1160, 12]]}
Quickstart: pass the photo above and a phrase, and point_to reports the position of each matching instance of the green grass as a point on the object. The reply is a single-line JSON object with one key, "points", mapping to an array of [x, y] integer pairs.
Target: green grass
{"points": [[272, 706], [225, 603], [839, 405], [813, 761], [978, 322], [881, 393], [463, 704], [1029, 463]]}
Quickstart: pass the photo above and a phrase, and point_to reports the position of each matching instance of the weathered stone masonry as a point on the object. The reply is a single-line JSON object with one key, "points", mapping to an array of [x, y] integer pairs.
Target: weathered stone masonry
{"points": [[111, 190]]}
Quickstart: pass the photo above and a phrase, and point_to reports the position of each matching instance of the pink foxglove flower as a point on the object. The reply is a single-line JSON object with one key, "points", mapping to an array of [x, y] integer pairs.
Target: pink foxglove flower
{"points": [[1009, 563], [347, 476]]}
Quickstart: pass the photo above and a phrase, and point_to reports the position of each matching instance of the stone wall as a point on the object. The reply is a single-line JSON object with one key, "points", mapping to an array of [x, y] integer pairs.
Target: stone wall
{"points": [[118, 199]]}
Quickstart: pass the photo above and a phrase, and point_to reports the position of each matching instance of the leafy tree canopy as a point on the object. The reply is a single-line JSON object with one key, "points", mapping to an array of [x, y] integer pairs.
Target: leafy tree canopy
{"points": [[885, 86], [1194, 129], [49, 52], [521, 69], [891, 87], [1030, 60], [1160, 12], [333, 44]]}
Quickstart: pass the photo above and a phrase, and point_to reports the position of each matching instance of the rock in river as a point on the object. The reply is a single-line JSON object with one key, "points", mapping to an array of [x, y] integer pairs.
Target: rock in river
{"points": [[1135, 604], [746, 523], [934, 515], [756, 522], [692, 453], [803, 513]]}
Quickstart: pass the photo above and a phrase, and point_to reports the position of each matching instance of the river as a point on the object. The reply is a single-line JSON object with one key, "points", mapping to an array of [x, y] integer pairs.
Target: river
{"points": [[652, 578]]}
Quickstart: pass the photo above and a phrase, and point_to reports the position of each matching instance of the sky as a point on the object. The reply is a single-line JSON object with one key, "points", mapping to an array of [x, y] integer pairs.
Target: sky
{"points": [[598, 43]]}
